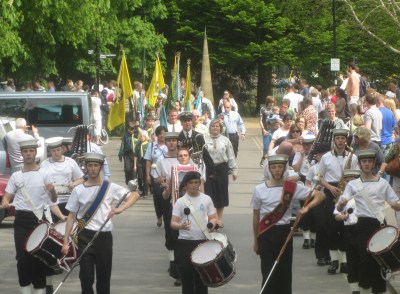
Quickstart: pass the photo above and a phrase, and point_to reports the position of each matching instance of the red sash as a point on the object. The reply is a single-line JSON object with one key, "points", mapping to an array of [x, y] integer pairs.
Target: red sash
{"points": [[289, 188], [177, 174]]}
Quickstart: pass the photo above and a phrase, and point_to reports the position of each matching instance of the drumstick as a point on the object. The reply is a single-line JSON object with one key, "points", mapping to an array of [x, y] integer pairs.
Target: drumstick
{"points": [[315, 184], [131, 186]]}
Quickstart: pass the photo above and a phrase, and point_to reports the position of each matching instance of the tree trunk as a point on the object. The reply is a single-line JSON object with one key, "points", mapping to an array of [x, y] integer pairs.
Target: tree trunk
{"points": [[264, 83]]}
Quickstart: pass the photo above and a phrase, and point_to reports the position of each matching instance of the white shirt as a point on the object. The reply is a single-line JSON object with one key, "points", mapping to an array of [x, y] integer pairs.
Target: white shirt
{"points": [[294, 99], [331, 167], [202, 129], [352, 219], [305, 165], [82, 198], [35, 184], [266, 199], [221, 150], [378, 192], [153, 152], [279, 133], [164, 165], [63, 173], [204, 207]]}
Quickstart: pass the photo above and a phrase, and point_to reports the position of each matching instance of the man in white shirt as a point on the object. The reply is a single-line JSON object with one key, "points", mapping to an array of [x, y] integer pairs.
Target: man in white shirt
{"points": [[11, 140], [294, 98], [373, 118]]}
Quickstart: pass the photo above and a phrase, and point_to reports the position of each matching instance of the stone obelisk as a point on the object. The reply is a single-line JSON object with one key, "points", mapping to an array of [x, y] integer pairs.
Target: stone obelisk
{"points": [[206, 82]]}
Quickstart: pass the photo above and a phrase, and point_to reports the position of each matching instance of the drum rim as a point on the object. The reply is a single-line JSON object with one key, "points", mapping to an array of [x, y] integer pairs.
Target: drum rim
{"points": [[389, 246], [39, 245], [210, 261]]}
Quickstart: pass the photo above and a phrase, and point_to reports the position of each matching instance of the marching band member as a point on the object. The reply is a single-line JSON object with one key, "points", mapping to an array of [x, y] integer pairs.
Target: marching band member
{"points": [[300, 160], [153, 152], [164, 164], [33, 190], [331, 170], [370, 194], [348, 216], [66, 175], [320, 239], [91, 202], [190, 234], [64, 171], [217, 180], [272, 207]]}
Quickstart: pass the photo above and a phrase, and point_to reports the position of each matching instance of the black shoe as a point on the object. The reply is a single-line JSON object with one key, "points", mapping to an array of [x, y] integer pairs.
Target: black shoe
{"points": [[312, 243], [355, 292], [333, 267], [306, 244], [343, 268], [321, 261], [49, 289], [178, 282]]}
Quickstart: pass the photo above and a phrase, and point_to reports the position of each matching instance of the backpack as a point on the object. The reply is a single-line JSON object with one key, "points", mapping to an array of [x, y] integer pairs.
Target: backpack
{"points": [[363, 87]]}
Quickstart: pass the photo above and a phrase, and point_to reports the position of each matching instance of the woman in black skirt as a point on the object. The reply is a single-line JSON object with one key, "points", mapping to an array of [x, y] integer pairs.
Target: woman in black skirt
{"points": [[217, 179]]}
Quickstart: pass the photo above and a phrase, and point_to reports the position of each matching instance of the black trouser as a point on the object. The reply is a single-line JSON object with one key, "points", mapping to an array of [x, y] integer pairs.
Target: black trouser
{"points": [[191, 281], [141, 172], [129, 167], [234, 138], [306, 222], [321, 238], [335, 229], [171, 236], [157, 198], [352, 255], [30, 269], [369, 269], [269, 244], [97, 259]]}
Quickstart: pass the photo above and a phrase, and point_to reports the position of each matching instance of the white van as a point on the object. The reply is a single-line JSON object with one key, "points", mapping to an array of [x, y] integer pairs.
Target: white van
{"points": [[52, 113]]}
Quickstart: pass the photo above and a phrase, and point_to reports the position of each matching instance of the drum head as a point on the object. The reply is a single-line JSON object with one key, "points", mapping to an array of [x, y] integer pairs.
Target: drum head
{"points": [[206, 252], [382, 239], [220, 237], [62, 225], [37, 236]]}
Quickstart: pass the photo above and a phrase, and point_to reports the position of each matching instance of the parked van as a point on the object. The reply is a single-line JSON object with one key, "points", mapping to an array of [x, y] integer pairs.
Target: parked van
{"points": [[54, 114]]}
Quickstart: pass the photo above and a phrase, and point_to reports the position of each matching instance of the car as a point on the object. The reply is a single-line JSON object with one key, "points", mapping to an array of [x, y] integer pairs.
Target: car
{"points": [[4, 213], [54, 114]]}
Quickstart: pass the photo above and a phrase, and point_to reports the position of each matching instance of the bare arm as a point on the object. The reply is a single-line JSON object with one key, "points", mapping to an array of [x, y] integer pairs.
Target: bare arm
{"points": [[133, 197], [6, 200], [317, 199], [56, 210], [68, 228]]}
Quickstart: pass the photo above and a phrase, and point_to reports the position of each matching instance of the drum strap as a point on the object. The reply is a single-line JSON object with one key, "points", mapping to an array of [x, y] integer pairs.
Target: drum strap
{"points": [[289, 188], [21, 186], [364, 194], [197, 219], [88, 215]]}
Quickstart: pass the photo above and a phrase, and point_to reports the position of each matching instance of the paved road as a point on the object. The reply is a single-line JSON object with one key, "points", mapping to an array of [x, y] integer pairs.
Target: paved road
{"points": [[140, 260]]}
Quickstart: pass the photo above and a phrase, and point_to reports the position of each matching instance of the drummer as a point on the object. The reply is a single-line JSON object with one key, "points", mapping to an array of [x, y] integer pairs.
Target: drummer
{"points": [[268, 203], [32, 190], [64, 171], [370, 193], [92, 202], [190, 234]]}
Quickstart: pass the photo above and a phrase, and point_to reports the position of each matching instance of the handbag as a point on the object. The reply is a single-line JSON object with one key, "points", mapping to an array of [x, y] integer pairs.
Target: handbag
{"points": [[393, 167]]}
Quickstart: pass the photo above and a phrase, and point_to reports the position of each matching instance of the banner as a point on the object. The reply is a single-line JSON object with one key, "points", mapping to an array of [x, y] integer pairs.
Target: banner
{"points": [[123, 92]]}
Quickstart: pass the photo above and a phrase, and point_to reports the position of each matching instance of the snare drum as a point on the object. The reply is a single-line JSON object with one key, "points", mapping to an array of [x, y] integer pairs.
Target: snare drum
{"points": [[214, 264], [61, 226], [46, 243], [226, 243], [384, 246]]}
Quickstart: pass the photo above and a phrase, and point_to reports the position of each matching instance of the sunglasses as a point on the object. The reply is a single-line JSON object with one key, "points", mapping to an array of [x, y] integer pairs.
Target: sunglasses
{"points": [[296, 131]]}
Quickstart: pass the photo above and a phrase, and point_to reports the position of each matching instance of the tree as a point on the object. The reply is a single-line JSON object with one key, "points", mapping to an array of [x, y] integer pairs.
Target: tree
{"points": [[55, 36]]}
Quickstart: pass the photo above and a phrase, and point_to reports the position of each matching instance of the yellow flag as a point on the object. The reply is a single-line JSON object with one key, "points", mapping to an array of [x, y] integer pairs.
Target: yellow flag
{"points": [[123, 91], [187, 102], [157, 83]]}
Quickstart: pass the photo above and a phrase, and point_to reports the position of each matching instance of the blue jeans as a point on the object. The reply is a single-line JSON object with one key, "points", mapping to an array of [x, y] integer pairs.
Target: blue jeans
{"points": [[266, 142]]}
